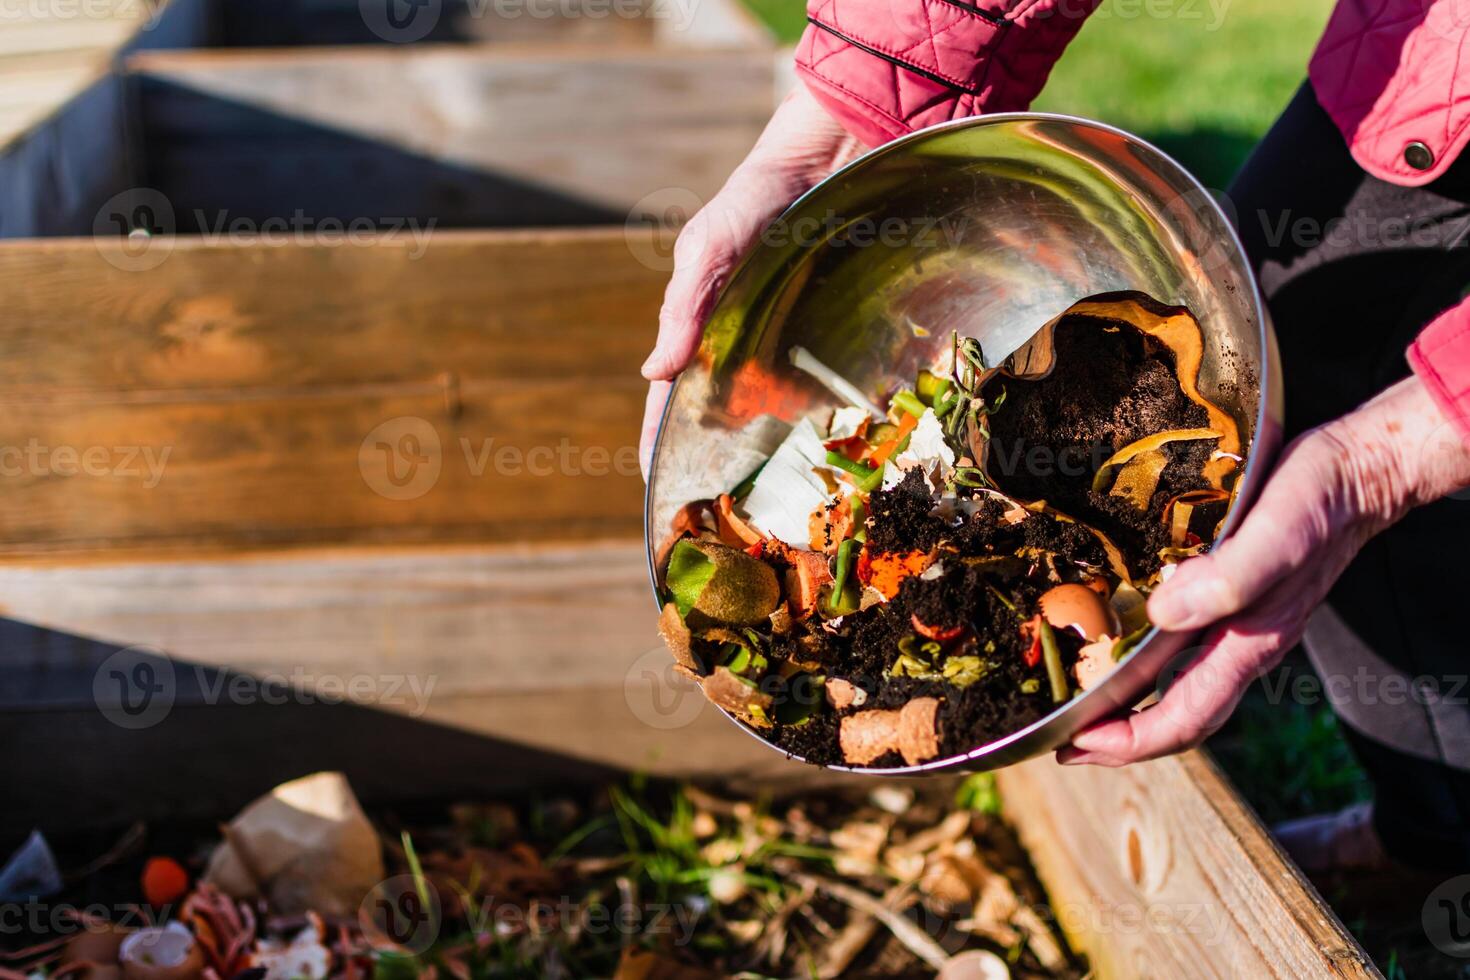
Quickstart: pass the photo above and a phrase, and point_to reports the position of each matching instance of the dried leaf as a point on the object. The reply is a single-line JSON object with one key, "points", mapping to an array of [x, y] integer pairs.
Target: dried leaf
{"points": [[733, 693], [1148, 444], [676, 636], [1139, 478], [1177, 329]]}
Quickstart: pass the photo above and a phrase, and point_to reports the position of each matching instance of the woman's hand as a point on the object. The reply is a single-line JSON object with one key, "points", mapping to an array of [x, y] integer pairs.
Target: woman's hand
{"points": [[1333, 489], [800, 145]]}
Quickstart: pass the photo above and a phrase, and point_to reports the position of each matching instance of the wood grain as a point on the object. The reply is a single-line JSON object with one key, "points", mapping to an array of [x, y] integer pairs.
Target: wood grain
{"points": [[1160, 870], [467, 135], [469, 654], [215, 417]]}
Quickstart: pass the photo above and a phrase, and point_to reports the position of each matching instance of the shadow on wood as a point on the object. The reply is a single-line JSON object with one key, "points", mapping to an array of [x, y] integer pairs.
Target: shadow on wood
{"points": [[103, 735], [224, 165]]}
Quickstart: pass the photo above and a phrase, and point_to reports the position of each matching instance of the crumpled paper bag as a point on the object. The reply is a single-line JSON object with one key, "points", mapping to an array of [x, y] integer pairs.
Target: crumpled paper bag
{"points": [[304, 845]]}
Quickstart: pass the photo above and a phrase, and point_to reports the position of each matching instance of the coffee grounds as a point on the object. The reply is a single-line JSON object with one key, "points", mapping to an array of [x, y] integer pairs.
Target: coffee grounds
{"points": [[977, 596], [901, 518], [1111, 386]]}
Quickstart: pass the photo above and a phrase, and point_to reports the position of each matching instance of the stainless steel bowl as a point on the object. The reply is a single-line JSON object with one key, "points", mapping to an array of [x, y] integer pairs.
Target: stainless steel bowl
{"points": [[990, 226]]}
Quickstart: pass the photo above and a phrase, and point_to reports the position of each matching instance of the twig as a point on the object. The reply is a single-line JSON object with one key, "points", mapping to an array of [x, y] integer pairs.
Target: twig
{"points": [[916, 939]]}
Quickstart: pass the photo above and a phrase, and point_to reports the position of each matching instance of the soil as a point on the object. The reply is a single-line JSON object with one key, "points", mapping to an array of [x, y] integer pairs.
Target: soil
{"points": [[865, 645], [591, 856], [1111, 386]]}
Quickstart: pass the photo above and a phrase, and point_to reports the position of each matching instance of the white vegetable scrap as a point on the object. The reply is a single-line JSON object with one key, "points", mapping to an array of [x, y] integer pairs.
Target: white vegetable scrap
{"points": [[927, 448], [845, 422], [803, 360], [788, 488]]}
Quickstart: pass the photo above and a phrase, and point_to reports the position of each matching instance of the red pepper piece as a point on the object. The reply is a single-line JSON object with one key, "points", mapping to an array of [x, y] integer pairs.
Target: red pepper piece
{"points": [[1031, 630], [938, 634]]}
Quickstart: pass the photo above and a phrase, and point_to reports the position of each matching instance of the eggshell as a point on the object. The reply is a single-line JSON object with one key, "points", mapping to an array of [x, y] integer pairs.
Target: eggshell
{"points": [[161, 953], [1078, 607]]}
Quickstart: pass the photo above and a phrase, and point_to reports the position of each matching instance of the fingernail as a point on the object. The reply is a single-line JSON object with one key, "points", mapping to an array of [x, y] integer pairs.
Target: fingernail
{"points": [[653, 364]]}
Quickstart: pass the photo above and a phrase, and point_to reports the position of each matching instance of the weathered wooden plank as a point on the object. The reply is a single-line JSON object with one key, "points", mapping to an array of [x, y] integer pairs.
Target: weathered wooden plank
{"points": [[465, 136], [270, 666], [1160, 870], [191, 406], [501, 305], [480, 620], [98, 26]]}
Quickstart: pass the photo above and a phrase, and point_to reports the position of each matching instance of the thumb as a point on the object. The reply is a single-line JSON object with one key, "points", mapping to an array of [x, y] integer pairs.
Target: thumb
{"points": [[705, 254], [1279, 534]]}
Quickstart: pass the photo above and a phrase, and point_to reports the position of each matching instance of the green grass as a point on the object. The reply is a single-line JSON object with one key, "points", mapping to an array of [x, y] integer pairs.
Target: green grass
{"points": [[1203, 81], [1202, 78]]}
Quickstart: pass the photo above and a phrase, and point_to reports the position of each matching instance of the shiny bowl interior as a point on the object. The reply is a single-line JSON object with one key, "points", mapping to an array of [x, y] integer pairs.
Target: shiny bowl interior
{"points": [[990, 226]]}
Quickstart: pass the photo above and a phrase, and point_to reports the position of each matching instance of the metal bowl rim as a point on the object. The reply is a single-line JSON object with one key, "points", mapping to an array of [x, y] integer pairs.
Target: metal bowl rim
{"points": [[1243, 487]]}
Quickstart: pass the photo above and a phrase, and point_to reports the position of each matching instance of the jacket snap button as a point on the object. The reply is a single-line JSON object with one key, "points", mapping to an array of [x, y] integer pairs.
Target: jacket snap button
{"points": [[1418, 156]]}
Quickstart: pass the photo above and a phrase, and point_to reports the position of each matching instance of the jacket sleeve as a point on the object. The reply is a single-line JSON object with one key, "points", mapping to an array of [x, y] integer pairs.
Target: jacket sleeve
{"points": [[1440, 356], [884, 68]]}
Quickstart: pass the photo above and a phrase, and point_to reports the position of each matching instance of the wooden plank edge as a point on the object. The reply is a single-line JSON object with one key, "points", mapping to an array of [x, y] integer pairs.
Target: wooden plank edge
{"points": [[463, 237], [203, 59], [1029, 792]]}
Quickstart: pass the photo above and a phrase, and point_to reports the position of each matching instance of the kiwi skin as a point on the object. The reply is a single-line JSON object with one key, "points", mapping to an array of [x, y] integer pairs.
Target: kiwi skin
{"points": [[743, 591]]}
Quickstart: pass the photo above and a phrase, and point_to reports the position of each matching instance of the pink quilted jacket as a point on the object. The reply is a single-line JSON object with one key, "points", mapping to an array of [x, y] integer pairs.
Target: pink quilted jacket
{"points": [[1385, 71]]}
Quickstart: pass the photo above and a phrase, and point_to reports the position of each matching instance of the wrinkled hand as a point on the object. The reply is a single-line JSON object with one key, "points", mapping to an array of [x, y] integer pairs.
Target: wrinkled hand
{"points": [[800, 145], [1333, 489]]}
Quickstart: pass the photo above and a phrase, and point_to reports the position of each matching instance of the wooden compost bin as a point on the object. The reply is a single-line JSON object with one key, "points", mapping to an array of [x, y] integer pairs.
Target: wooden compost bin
{"points": [[194, 460]]}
